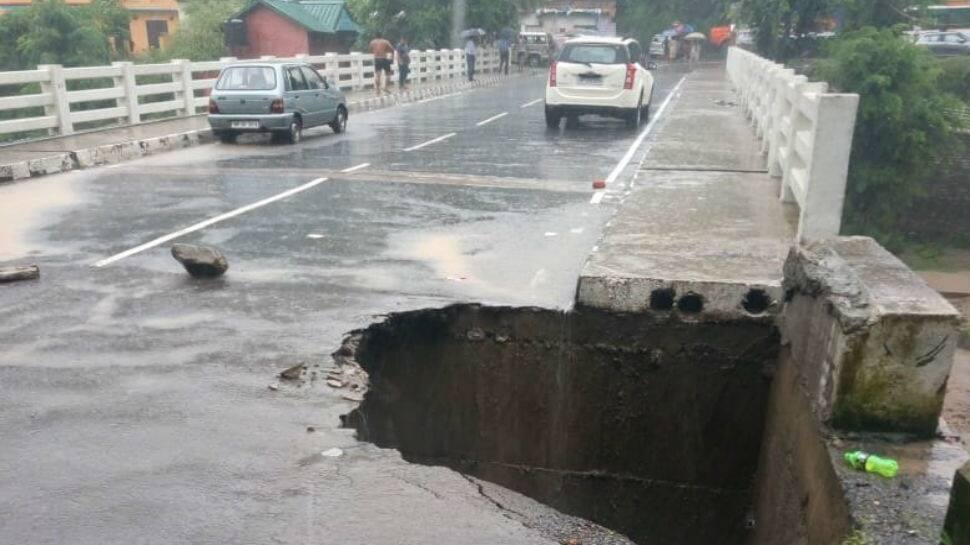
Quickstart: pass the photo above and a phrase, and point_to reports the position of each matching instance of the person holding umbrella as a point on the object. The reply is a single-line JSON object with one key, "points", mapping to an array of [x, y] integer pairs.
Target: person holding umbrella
{"points": [[470, 51], [403, 63]]}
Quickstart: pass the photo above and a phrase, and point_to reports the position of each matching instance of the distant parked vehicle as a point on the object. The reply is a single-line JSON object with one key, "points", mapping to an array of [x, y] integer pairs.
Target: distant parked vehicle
{"points": [[534, 49], [945, 43], [745, 38], [601, 76], [281, 98]]}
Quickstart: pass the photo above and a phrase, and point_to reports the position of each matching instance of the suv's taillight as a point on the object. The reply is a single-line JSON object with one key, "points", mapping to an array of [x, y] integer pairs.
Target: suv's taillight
{"points": [[277, 106], [552, 73], [213, 107], [631, 74]]}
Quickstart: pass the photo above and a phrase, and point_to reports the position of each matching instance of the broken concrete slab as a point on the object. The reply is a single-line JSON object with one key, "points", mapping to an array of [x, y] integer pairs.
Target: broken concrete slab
{"points": [[200, 261], [875, 342], [714, 235], [16, 274]]}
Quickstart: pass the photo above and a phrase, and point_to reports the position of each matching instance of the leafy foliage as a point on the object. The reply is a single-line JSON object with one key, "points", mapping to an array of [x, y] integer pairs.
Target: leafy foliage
{"points": [[902, 131], [51, 32], [643, 18], [200, 36]]}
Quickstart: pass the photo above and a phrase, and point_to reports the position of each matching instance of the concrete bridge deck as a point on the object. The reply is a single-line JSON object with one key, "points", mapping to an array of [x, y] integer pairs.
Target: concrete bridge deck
{"points": [[701, 215]]}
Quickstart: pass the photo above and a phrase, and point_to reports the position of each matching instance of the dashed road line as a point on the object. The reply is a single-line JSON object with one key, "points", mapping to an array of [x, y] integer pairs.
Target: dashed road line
{"points": [[429, 142], [533, 103], [597, 197], [493, 118], [208, 222], [356, 168]]}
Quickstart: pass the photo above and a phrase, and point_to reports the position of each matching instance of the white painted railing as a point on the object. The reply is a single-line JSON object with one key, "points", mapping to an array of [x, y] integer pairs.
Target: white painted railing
{"points": [[806, 133], [129, 93]]}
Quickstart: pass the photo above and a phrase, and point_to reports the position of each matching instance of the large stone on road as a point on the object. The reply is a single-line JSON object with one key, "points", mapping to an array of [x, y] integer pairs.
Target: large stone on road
{"points": [[200, 261], [956, 529], [14, 274]]}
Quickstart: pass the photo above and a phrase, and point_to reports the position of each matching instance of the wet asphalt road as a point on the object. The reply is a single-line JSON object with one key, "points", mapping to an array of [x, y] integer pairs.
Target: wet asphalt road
{"points": [[134, 405]]}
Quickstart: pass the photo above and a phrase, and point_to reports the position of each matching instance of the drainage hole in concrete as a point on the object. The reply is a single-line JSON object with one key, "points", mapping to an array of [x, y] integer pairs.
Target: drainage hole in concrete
{"points": [[691, 303], [662, 299], [756, 301]]}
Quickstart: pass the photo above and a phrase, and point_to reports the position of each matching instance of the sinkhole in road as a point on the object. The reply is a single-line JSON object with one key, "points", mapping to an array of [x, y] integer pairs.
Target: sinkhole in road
{"points": [[648, 424]]}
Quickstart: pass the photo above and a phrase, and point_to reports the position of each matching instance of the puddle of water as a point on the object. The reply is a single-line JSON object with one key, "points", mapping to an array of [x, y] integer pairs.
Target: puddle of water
{"points": [[24, 206]]}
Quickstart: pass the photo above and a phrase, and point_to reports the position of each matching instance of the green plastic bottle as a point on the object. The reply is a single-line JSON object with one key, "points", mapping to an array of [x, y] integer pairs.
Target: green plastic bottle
{"points": [[870, 463]]}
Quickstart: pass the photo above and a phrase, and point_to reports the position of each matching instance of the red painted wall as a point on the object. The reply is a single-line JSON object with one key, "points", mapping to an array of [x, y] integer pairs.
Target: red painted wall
{"points": [[271, 34]]}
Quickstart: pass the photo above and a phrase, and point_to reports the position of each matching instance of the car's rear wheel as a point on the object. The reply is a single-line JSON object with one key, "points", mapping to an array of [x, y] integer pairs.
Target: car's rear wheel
{"points": [[635, 116], [226, 137], [295, 132], [339, 124], [553, 117]]}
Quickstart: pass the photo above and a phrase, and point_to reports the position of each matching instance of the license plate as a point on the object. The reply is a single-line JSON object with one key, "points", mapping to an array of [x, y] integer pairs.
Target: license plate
{"points": [[591, 82], [245, 124]]}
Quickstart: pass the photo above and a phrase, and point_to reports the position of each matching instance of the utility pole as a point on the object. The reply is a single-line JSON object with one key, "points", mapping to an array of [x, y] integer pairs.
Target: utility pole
{"points": [[459, 8]]}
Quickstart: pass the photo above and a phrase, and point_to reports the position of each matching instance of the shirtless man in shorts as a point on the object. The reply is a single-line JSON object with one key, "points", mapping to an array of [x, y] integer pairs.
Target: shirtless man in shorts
{"points": [[383, 53]]}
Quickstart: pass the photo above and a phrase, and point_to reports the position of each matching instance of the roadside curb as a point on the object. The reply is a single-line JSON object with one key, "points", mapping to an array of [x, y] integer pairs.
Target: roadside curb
{"points": [[133, 149]]}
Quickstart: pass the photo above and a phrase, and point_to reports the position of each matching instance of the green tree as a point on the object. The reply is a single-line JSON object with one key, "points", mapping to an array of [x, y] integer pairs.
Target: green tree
{"points": [[201, 37], [903, 129], [51, 32]]}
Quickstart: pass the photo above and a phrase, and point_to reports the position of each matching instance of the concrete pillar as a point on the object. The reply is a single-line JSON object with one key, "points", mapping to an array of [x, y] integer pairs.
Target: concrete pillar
{"points": [[60, 107], [184, 78], [956, 529], [130, 98], [828, 166], [874, 344], [459, 10]]}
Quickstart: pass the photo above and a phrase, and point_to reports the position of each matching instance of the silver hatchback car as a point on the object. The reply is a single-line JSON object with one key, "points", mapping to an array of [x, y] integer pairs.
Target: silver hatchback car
{"points": [[282, 98]]}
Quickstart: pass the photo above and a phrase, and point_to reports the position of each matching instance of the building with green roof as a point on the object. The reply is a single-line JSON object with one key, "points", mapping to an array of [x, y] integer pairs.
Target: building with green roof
{"points": [[285, 28]]}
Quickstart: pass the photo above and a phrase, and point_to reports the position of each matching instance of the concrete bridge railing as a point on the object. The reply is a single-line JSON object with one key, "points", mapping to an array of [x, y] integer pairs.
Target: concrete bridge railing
{"points": [[807, 134], [60, 101]]}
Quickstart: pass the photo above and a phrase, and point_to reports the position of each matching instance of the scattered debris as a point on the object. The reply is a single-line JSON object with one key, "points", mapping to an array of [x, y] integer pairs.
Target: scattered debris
{"points": [[274, 387], [333, 453], [723, 102], [310, 429], [475, 334], [456, 278], [200, 261], [355, 397], [294, 373], [15, 274], [334, 383]]}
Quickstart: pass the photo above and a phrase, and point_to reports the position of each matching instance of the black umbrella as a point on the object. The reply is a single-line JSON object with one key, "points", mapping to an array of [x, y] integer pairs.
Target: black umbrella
{"points": [[472, 33]]}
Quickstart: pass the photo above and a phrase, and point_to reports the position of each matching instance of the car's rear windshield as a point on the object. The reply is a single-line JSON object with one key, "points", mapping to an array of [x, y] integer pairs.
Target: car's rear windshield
{"points": [[594, 53], [247, 78]]}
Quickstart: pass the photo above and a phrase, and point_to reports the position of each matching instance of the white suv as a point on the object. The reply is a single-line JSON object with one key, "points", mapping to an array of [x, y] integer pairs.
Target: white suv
{"points": [[597, 75]]}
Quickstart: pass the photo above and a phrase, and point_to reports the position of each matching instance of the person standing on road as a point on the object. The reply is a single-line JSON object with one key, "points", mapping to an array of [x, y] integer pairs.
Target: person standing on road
{"points": [[504, 53], [403, 63], [383, 53], [470, 52]]}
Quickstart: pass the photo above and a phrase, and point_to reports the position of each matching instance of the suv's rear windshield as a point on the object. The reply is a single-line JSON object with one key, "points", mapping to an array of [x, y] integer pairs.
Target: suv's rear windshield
{"points": [[247, 78], [594, 53]]}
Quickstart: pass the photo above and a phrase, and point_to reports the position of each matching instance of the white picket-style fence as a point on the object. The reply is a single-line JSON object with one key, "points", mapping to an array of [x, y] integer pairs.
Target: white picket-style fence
{"points": [[806, 133], [183, 89]]}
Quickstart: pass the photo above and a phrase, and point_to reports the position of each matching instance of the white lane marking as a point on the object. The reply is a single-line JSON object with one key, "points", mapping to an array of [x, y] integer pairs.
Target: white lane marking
{"points": [[577, 230], [432, 99], [493, 118], [356, 168], [315, 236], [643, 135], [429, 142], [116, 165], [533, 103], [208, 222], [551, 233], [597, 197]]}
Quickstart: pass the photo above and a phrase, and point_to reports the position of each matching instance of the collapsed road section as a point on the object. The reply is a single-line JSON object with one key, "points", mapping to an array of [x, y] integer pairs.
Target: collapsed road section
{"points": [[631, 421]]}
